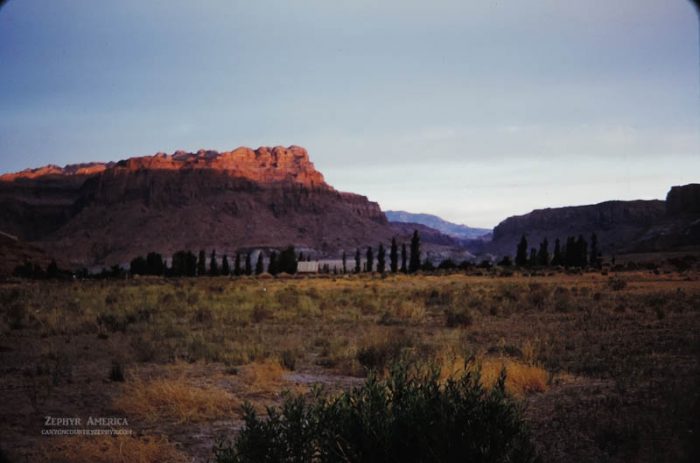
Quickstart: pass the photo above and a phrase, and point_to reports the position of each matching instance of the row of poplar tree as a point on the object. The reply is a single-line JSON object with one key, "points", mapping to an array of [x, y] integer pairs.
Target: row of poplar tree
{"points": [[574, 253], [186, 263], [409, 263]]}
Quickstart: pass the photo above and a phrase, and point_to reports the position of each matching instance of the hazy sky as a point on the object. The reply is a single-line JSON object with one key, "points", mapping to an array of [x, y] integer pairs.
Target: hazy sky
{"points": [[470, 109]]}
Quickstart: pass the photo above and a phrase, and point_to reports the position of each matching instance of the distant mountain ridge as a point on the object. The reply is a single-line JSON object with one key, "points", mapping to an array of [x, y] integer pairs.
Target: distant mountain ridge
{"points": [[454, 230]]}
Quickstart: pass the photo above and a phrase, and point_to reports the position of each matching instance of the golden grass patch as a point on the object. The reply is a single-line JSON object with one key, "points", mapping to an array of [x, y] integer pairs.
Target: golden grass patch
{"points": [[108, 449], [521, 378], [263, 377], [174, 399]]}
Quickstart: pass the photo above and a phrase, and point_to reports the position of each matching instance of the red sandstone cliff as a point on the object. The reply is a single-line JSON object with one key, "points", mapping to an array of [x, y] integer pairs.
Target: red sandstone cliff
{"points": [[107, 213]]}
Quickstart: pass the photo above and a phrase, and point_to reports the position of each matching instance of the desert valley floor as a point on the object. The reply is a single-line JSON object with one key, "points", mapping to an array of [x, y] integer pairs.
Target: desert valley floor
{"points": [[605, 367]]}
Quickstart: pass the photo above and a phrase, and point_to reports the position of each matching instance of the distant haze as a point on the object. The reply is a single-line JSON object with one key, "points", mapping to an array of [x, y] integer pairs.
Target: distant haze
{"points": [[473, 111], [448, 228]]}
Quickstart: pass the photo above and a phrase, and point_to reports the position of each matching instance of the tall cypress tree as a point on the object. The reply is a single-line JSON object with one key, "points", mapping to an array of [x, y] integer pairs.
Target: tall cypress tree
{"points": [[213, 264], [404, 258], [581, 252], [237, 265], [414, 263], [272, 267], [394, 256], [570, 252], [248, 265], [191, 265], [138, 266], [225, 266], [370, 259], [594, 259], [177, 268], [543, 253], [287, 261], [202, 263], [521, 252], [532, 261], [52, 271], [184, 264], [557, 258], [381, 258], [358, 264], [259, 265], [345, 263], [154, 264]]}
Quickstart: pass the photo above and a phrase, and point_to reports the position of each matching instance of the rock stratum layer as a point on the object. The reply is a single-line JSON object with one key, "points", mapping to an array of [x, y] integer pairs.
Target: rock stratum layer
{"points": [[106, 213]]}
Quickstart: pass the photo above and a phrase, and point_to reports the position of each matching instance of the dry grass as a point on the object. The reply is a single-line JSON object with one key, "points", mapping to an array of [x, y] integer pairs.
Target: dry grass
{"points": [[637, 342], [105, 449], [521, 378], [174, 399], [263, 377]]}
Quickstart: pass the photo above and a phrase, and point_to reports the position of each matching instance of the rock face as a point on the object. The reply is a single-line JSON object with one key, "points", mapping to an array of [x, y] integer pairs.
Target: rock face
{"points": [[616, 223], [107, 213], [264, 165], [683, 200], [621, 226], [14, 252], [680, 229]]}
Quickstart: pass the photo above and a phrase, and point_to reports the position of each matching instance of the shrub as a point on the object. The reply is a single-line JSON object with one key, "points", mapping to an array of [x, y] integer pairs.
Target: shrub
{"points": [[145, 348], [260, 314], [117, 372], [113, 322], [289, 359], [377, 357], [537, 297], [458, 318], [17, 316], [617, 283], [437, 298], [407, 418]]}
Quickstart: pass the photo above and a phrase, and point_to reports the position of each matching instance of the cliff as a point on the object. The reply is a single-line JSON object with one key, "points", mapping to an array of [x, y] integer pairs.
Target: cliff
{"points": [[106, 213], [621, 226], [683, 200], [616, 223]]}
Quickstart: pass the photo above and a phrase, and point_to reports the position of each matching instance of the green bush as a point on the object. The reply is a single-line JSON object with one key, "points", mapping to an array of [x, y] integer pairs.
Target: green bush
{"points": [[407, 418]]}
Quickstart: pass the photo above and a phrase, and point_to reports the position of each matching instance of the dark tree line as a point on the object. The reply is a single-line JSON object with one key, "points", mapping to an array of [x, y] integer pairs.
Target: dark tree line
{"points": [[576, 252], [409, 263], [187, 264], [35, 271]]}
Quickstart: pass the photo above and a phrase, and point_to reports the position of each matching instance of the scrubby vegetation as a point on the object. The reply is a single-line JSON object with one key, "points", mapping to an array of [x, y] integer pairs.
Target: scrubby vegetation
{"points": [[410, 417], [605, 370]]}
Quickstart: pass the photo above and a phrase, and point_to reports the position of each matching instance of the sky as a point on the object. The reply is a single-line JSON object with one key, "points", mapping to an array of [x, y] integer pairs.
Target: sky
{"points": [[472, 110]]}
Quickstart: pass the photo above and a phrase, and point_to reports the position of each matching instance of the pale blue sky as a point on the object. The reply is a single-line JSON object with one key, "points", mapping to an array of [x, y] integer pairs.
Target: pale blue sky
{"points": [[472, 110]]}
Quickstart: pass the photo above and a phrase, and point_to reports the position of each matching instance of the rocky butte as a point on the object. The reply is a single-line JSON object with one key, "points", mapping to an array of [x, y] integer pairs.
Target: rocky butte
{"points": [[621, 226], [107, 213]]}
